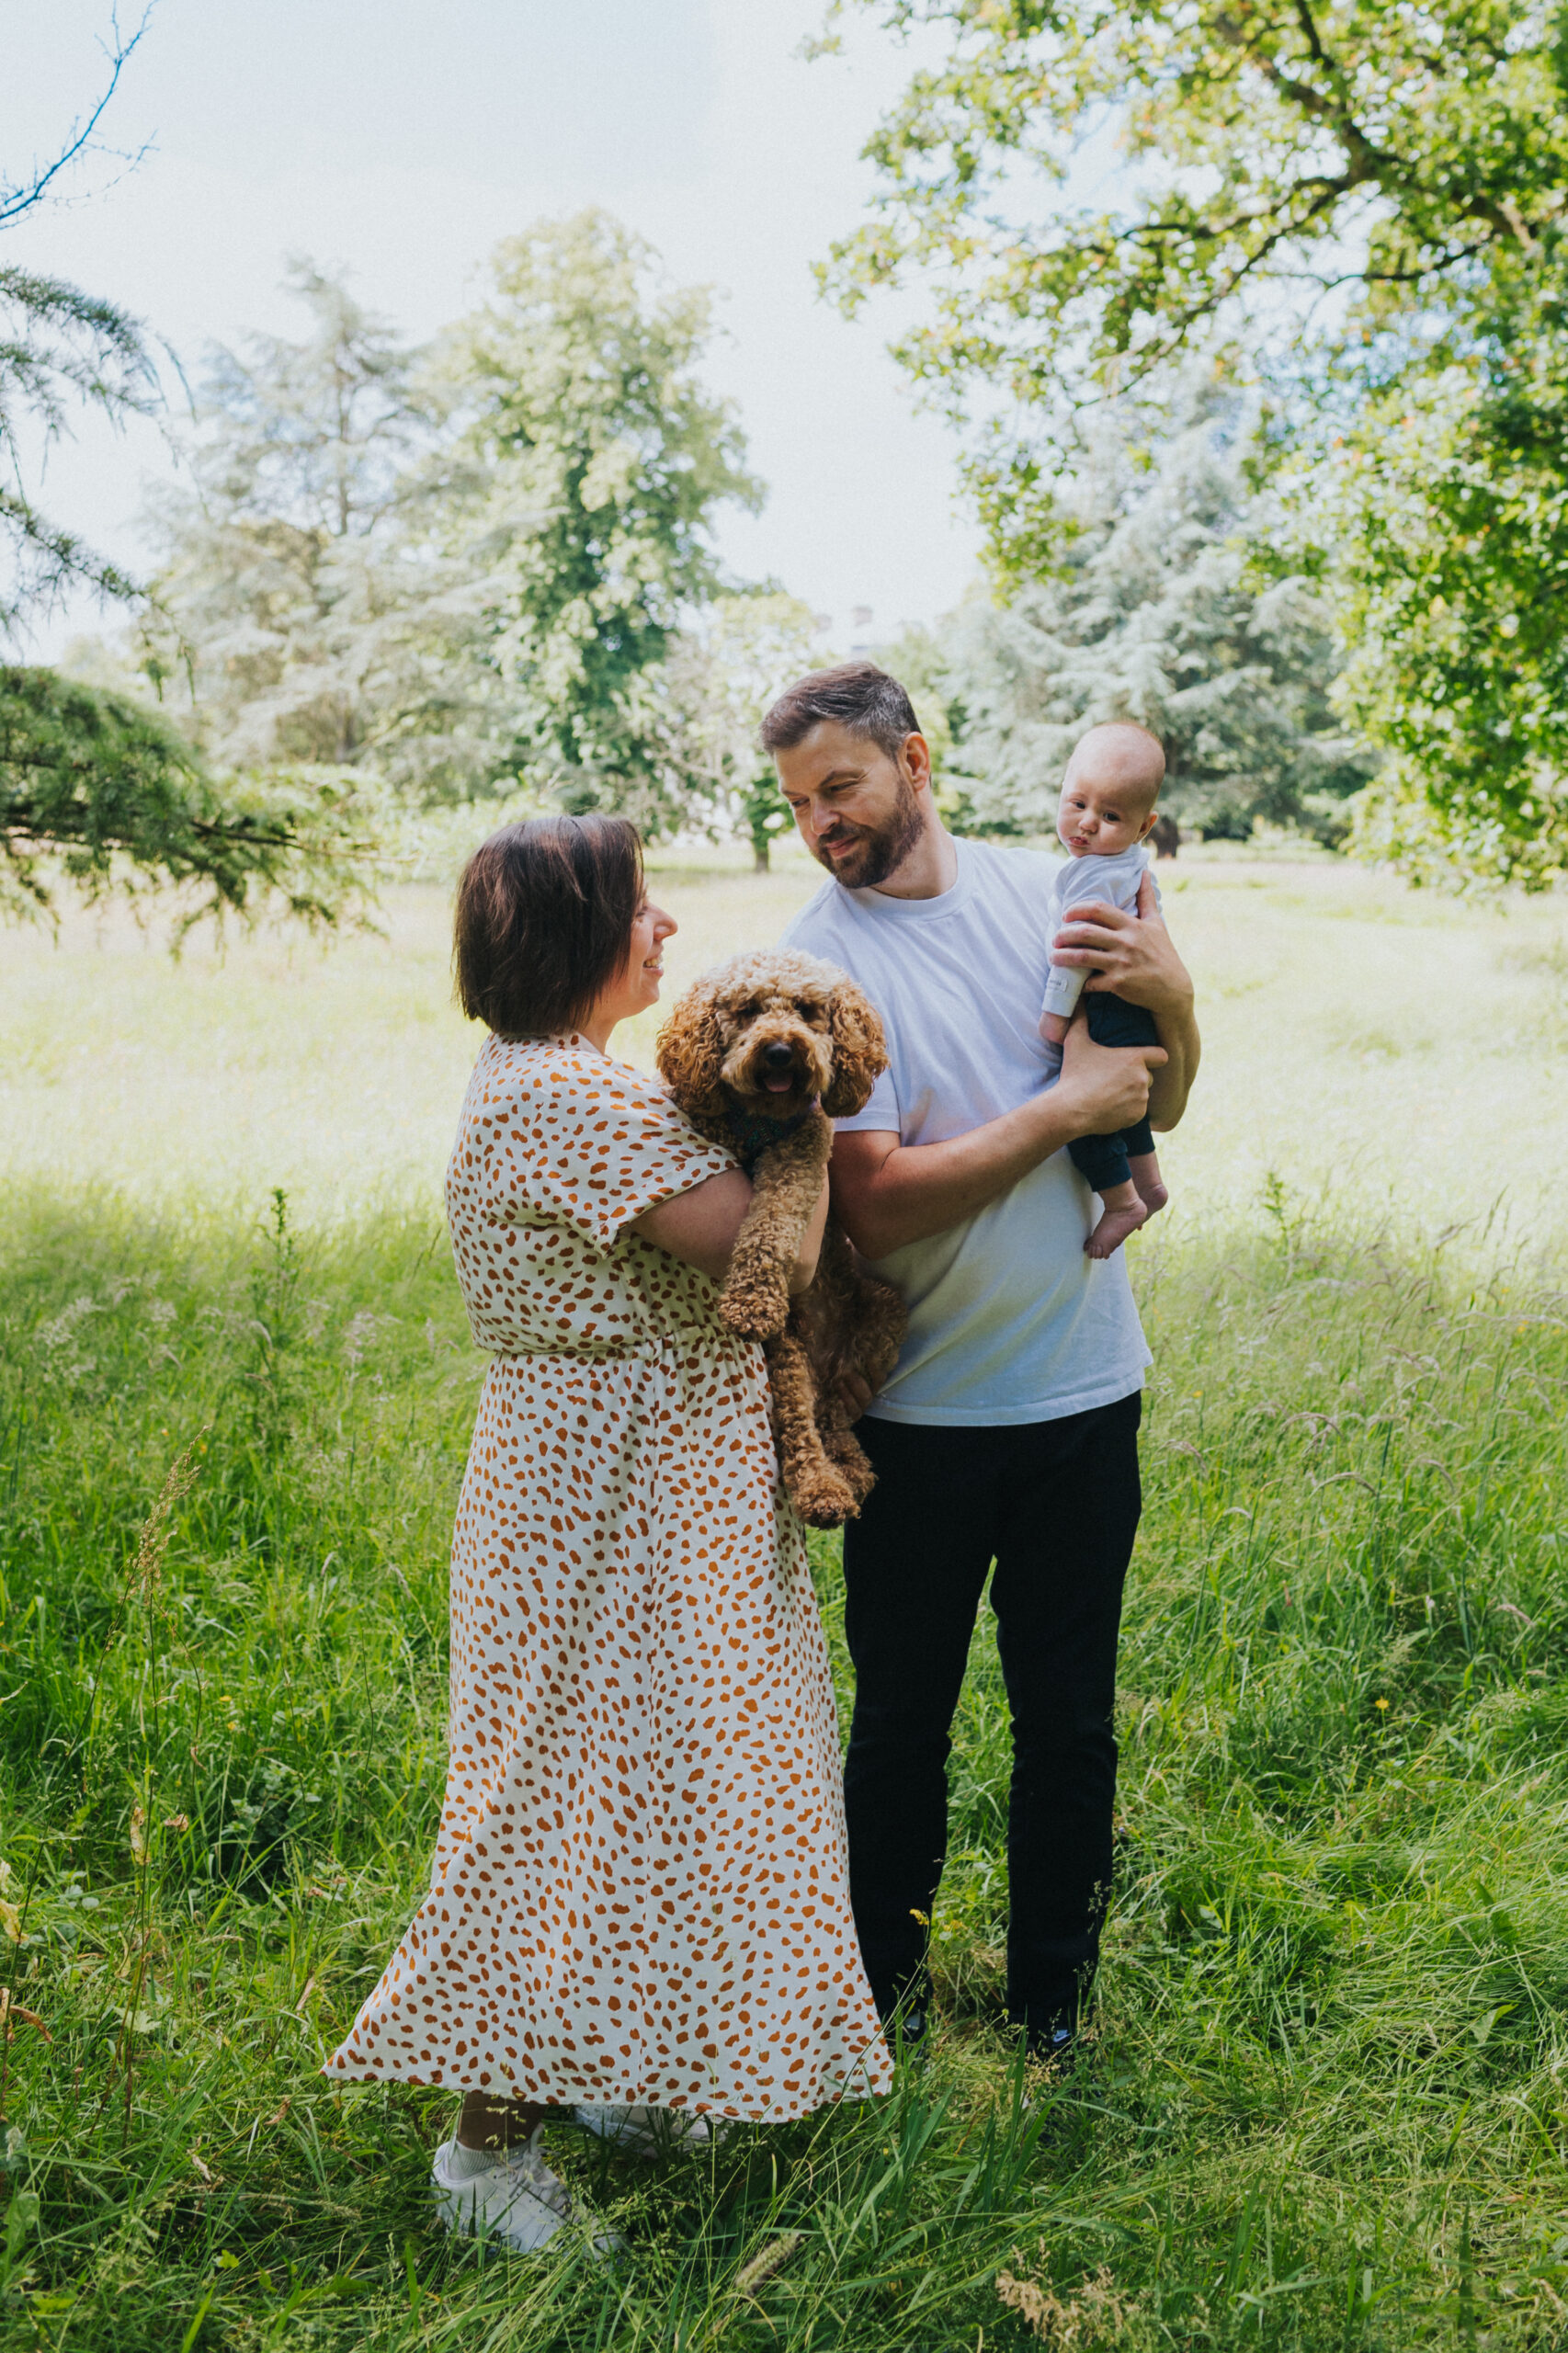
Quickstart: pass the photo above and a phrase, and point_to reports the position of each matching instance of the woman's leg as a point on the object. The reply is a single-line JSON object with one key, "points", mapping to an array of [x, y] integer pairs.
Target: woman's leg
{"points": [[486, 2123]]}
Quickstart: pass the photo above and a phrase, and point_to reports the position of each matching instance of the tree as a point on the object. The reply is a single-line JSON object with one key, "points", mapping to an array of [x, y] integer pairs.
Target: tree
{"points": [[89, 781], [301, 615], [724, 671], [1440, 530], [1404, 168], [96, 785], [1152, 611], [59, 347], [582, 486]]}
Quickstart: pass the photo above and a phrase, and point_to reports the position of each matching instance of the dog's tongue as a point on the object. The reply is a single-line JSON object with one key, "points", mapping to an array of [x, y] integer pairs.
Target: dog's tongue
{"points": [[778, 1085]]}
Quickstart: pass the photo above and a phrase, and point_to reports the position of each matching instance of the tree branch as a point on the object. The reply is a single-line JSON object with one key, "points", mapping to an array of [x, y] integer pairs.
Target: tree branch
{"points": [[21, 197]]}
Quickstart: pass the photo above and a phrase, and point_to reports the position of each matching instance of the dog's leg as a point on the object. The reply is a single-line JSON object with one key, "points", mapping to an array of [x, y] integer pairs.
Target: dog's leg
{"points": [[820, 1492], [785, 1186], [854, 1322]]}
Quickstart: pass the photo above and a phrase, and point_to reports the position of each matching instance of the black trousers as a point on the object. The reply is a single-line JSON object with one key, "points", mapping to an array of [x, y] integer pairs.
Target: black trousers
{"points": [[1101, 1161], [1055, 1504]]}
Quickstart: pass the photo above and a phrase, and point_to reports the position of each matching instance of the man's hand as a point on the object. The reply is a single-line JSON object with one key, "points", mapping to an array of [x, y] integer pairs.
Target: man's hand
{"points": [[1105, 1087], [854, 1392], [1132, 957]]}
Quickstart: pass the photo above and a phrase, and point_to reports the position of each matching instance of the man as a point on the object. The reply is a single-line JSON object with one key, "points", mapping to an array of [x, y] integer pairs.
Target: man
{"points": [[1008, 1431]]}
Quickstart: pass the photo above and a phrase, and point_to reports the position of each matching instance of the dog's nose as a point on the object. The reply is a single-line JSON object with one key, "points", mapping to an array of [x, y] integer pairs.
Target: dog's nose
{"points": [[777, 1057]]}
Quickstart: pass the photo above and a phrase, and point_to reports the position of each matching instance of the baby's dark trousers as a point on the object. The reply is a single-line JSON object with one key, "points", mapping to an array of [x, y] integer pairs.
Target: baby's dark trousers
{"points": [[1101, 1161]]}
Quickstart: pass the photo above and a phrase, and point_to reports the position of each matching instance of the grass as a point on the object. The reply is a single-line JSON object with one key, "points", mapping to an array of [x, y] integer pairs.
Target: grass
{"points": [[1326, 2098], [1404, 1051], [1326, 2101]]}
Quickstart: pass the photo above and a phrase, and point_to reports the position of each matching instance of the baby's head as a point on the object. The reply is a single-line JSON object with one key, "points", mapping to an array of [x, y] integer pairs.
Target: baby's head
{"points": [[1108, 792]]}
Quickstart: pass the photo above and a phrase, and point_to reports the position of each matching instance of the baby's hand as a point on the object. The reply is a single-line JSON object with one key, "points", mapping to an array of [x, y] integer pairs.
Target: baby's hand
{"points": [[1053, 1028]]}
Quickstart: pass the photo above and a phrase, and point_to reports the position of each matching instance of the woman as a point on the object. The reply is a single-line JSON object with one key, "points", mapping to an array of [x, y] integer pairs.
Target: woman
{"points": [[637, 1914]]}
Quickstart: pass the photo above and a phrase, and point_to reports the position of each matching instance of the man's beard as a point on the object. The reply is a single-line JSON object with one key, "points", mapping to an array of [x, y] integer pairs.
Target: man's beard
{"points": [[879, 850]]}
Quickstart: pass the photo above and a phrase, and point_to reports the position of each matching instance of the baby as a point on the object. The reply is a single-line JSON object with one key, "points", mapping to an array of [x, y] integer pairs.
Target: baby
{"points": [[1107, 808]]}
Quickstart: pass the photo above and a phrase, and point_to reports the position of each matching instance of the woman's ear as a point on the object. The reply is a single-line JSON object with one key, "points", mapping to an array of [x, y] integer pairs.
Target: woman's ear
{"points": [[690, 1051], [859, 1055]]}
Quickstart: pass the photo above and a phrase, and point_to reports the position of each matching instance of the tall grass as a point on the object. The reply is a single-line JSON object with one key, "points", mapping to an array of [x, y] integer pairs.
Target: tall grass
{"points": [[1326, 2101]]}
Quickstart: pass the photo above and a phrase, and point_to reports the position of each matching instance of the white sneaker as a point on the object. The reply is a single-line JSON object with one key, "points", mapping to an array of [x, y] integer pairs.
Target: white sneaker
{"points": [[516, 2198], [650, 2131]]}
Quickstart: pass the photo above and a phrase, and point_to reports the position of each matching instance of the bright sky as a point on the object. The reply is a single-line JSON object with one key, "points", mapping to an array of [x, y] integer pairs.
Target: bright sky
{"points": [[406, 137]]}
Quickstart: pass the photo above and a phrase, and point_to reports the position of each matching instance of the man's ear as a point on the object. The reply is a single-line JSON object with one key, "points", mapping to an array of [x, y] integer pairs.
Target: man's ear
{"points": [[914, 758]]}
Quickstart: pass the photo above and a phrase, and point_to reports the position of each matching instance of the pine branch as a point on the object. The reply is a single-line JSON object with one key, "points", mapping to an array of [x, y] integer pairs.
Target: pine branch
{"points": [[121, 802]]}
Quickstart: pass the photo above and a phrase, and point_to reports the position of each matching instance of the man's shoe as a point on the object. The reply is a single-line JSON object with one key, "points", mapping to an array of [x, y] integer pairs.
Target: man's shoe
{"points": [[651, 2131], [1051, 2046]]}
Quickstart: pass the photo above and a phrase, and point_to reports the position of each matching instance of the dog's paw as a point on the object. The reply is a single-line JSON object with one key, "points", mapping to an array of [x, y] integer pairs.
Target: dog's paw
{"points": [[825, 1500]]}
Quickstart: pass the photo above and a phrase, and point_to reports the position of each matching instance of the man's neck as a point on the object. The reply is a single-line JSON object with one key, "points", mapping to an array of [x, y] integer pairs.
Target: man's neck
{"points": [[928, 869]]}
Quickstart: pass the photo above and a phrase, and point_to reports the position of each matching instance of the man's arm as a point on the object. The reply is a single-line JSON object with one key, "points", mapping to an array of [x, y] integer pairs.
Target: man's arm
{"points": [[886, 1193], [1132, 956]]}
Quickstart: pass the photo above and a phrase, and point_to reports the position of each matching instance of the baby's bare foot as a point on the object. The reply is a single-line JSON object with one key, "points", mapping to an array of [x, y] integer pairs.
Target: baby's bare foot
{"points": [[1114, 1228], [1148, 1182], [1118, 1220]]}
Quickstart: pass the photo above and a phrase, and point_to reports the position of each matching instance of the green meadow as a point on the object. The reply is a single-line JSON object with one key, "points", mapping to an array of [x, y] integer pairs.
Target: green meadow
{"points": [[1324, 2104]]}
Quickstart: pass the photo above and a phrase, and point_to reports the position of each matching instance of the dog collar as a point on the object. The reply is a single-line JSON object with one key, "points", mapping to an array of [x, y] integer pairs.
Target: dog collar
{"points": [[755, 1133]]}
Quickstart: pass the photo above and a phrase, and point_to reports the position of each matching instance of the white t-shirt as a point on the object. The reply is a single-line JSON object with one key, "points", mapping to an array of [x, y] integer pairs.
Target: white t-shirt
{"points": [[1008, 1320]]}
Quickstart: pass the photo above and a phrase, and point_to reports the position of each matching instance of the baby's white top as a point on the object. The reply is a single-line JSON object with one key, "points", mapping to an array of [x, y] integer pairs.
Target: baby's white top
{"points": [[1114, 879]]}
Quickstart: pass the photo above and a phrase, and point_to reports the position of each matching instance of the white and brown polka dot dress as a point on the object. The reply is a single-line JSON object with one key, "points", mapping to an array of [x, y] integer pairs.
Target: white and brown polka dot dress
{"points": [[640, 1890]]}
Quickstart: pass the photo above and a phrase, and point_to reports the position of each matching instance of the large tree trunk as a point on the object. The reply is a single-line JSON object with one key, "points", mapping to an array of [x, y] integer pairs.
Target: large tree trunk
{"points": [[759, 849]]}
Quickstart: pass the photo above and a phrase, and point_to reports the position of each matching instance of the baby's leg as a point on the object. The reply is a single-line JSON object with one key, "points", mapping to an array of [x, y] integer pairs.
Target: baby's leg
{"points": [[1144, 1168], [1121, 1213], [1053, 1026], [1102, 1163]]}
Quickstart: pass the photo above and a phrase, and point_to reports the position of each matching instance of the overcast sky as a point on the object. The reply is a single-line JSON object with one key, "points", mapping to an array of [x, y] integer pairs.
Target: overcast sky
{"points": [[406, 137]]}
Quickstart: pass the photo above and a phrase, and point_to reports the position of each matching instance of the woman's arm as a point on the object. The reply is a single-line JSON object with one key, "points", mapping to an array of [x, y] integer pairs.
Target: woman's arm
{"points": [[700, 1226]]}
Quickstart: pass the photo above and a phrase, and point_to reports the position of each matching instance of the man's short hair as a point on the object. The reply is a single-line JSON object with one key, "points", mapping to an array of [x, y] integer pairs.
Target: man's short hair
{"points": [[857, 695]]}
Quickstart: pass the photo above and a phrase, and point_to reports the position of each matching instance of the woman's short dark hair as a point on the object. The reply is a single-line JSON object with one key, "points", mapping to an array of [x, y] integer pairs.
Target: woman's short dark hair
{"points": [[543, 921], [856, 694]]}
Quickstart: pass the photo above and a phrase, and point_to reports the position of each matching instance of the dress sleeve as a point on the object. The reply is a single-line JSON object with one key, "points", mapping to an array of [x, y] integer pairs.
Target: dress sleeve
{"points": [[608, 1144]]}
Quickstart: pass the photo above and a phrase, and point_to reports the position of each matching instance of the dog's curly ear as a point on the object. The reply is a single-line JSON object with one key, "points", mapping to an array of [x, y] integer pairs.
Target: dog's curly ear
{"points": [[859, 1055], [690, 1051]]}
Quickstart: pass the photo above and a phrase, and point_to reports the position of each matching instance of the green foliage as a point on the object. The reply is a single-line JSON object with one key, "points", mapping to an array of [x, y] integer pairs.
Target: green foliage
{"points": [[1153, 610], [91, 784], [723, 671], [1439, 529], [582, 484], [301, 617], [1323, 2102], [59, 347], [1416, 154], [94, 787], [1370, 198], [459, 568]]}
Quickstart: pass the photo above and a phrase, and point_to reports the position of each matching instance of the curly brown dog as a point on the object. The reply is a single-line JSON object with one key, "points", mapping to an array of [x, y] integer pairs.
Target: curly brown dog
{"points": [[763, 1055]]}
